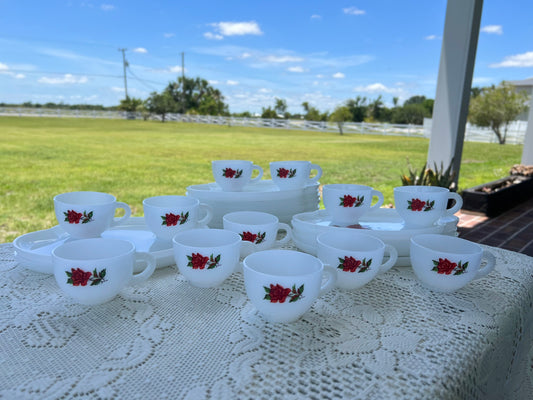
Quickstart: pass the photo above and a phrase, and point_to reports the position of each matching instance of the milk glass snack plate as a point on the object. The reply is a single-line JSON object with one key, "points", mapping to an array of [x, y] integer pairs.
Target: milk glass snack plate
{"points": [[383, 223], [262, 196], [34, 250]]}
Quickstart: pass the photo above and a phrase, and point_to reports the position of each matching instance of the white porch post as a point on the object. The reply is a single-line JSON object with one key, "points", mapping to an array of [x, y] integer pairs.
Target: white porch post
{"points": [[458, 54], [527, 152]]}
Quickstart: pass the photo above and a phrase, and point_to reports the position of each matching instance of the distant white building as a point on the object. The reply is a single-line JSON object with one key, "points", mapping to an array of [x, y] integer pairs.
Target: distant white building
{"points": [[525, 85]]}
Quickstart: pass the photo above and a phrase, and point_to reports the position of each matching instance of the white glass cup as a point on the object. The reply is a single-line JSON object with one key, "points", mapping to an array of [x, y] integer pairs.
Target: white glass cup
{"points": [[234, 175], [289, 175], [357, 257], [422, 206], [167, 215], [346, 203], [283, 284], [93, 271], [445, 263], [258, 230], [87, 214], [206, 257]]}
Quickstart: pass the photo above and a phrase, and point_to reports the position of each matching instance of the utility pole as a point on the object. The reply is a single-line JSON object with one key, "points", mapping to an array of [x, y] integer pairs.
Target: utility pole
{"points": [[183, 80], [125, 64]]}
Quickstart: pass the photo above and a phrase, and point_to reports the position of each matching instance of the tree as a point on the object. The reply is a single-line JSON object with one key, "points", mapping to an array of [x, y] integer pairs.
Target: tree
{"points": [[340, 116], [269, 113], [129, 104], [281, 106], [161, 104], [413, 113], [312, 113], [496, 107], [196, 94], [358, 107]]}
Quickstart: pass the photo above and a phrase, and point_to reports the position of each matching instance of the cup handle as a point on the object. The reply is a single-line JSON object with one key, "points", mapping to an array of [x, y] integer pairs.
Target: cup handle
{"points": [[491, 263], [148, 270], [331, 274], [284, 227], [393, 257], [458, 203], [258, 177], [318, 175], [127, 214], [380, 199], [208, 214]]}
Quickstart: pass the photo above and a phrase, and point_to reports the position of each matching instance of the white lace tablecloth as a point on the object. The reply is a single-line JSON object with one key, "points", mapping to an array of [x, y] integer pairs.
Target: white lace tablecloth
{"points": [[391, 339]]}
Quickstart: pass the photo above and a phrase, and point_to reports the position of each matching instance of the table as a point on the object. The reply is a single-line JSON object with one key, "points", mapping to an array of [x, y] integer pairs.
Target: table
{"points": [[391, 339]]}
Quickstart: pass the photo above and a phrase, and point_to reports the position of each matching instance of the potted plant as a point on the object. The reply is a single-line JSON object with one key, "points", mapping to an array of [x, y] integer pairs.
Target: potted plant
{"points": [[493, 198]]}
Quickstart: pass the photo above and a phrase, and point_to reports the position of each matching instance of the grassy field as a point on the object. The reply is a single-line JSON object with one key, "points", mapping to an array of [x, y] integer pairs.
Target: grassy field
{"points": [[41, 157]]}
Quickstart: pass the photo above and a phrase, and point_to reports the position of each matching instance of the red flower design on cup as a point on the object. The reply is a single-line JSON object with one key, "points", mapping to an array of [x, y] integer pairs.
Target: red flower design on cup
{"points": [[350, 201], [419, 205], [171, 219], [253, 237], [231, 173], [350, 264], [278, 294], [198, 261], [286, 173], [78, 277], [446, 267], [74, 217]]}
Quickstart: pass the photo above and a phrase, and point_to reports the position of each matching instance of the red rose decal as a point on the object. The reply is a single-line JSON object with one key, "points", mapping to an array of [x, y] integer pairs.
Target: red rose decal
{"points": [[171, 219], [78, 277], [74, 217], [419, 205], [350, 201], [446, 267], [231, 173], [350, 264], [198, 261], [278, 294], [249, 236], [283, 173]]}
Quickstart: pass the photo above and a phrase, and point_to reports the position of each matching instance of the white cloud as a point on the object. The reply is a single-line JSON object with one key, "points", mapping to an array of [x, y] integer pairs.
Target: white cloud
{"points": [[168, 35], [320, 76], [66, 79], [107, 7], [231, 83], [265, 90], [377, 88], [3, 67], [245, 55], [518, 60], [213, 36], [237, 28], [431, 37], [338, 75], [213, 82], [281, 59], [19, 76], [353, 11], [5, 70], [175, 69], [117, 89], [141, 50], [316, 17], [492, 29], [295, 69]]}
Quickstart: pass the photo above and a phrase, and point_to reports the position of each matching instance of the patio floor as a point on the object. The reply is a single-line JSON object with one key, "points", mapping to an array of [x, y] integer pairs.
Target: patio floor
{"points": [[512, 230]]}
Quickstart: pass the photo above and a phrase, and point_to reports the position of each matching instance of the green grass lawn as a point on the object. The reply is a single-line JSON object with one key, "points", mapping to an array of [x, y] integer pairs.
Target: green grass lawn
{"points": [[41, 157]]}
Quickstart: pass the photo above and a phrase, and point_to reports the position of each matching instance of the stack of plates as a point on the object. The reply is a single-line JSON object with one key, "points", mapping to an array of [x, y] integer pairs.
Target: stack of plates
{"points": [[261, 196], [383, 223]]}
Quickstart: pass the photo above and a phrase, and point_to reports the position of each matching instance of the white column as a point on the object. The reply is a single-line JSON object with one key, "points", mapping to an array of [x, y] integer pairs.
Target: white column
{"points": [[458, 54], [527, 152]]}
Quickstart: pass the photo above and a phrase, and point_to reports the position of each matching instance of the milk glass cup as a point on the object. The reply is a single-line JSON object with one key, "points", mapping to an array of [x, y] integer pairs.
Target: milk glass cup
{"points": [[289, 175], [346, 203], [234, 175], [446, 263], [167, 215], [94, 271], [357, 257], [258, 230], [88, 214], [422, 206], [283, 284]]}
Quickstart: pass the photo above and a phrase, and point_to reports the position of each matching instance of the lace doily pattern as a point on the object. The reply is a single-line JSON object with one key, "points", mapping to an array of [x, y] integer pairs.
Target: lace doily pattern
{"points": [[166, 339]]}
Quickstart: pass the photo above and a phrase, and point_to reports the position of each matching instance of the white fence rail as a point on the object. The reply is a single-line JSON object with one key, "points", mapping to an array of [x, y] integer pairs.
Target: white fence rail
{"points": [[515, 135]]}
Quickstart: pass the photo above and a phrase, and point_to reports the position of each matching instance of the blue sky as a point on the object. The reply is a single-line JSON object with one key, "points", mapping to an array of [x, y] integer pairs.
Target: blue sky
{"points": [[322, 52]]}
